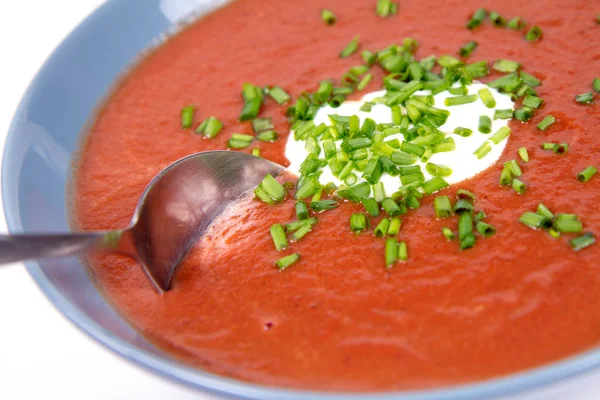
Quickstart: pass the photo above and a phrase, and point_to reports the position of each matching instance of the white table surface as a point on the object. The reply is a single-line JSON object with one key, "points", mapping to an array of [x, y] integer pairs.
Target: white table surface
{"points": [[42, 355]]}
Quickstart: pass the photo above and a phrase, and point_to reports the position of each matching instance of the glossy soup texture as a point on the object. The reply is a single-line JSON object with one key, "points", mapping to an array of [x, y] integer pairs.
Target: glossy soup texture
{"points": [[338, 320]]}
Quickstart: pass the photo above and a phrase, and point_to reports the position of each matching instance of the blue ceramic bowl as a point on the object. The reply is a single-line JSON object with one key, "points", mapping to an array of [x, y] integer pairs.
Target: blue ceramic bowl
{"points": [[44, 137]]}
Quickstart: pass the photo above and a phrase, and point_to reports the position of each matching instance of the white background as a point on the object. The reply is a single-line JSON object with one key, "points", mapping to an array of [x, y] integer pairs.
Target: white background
{"points": [[42, 356]]}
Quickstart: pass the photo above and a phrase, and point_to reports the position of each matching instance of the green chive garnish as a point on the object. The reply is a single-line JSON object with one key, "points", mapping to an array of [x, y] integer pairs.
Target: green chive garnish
{"points": [[386, 8], [364, 82], [477, 18], [448, 234], [350, 48], [463, 205], [391, 252], [187, 116], [394, 227], [371, 206], [323, 205], [253, 99], [465, 195], [529, 79], [596, 85], [435, 184], [391, 207], [279, 95], [519, 186], [262, 124], [534, 33], [442, 206], [587, 174], [484, 229], [567, 223], [467, 49], [358, 222], [402, 252], [535, 220], [301, 210], [485, 124], [465, 230], [506, 66], [500, 135], [523, 154], [523, 114], [294, 226], [497, 20], [438, 170], [270, 191], [458, 100], [546, 122], [256, 152], [355, 193], [328, 17], [516, 23], [585, 98], [583, 241], [544, 211], [267, 136], [368, 57], [210, 127], [301, 232], [487, 98], [503, 114], [532, 101], [464, 132], [278, 236], [287, 261], [483, 150], [381, 229]]}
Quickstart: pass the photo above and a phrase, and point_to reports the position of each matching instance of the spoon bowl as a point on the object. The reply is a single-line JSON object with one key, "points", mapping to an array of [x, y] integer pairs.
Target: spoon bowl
{"points": [[175, 208]]}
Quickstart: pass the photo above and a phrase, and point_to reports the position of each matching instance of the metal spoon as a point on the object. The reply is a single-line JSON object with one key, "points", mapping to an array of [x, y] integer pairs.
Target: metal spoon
{"points": [[176, 207]]}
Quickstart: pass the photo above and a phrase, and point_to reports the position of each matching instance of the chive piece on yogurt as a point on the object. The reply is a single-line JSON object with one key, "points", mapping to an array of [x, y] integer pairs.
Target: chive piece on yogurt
{"points": [[500, 135], [483, 150], [459, 100], [485, 124], [487, 98]]}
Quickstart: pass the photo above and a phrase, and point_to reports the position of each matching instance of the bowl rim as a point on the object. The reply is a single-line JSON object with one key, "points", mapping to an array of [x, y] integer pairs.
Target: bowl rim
{"points": [[219, 385]]}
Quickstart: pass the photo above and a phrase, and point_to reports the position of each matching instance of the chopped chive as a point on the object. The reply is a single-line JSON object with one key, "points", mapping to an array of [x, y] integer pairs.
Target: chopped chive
{"points": [[487, 98], [386, 8], [523, 114], [557, 148], [567, 223], [546, 122], [256, 152], [287, 261], [535, 220], [294, 226], [278, 236], [596, 85], [267, 136], [458, 100], [483, 150], [187, 116], [506, 176], [273, 189], [448, 234], [465, 195], [532, 101], [301, 210], [587, 174], [355, 193], [500, 135], [328, 17], [484, 229], [544, 211], [262, 124], [485, 124], [506, 66], [391, 207], [519, 186], [480, 216], [467, 49], [434, 184], [373, 171], [381, 229], [497, 20], [253, 99], [464, 132], [465, 230], [503, 114], [350, 48], [358, 222], [368, 57], [516, 23], [529, 79], [463, 205], [394, 227], [583, 241], [301, 232], [391, 252], [308, 188], [210, 127], [364, 82], [461, 90], [477, 18], [323, 205], [279, 95], [585, 98], [534, 33], [350, 180], [371, 206], [442, 206], [402, 251], [438, 170], [523, 154], [411, 148]]}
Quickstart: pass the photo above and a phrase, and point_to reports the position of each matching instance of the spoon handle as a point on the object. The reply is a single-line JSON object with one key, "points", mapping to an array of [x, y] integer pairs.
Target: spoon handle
{"points": [[15, 248]]}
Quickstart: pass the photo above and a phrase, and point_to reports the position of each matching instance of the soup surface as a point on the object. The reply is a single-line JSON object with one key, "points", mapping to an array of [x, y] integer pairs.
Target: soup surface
{"points": [[338, 319]]}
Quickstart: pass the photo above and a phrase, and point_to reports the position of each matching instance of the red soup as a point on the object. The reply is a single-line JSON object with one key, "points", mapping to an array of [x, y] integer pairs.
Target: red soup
{"points": [[415, 308]]}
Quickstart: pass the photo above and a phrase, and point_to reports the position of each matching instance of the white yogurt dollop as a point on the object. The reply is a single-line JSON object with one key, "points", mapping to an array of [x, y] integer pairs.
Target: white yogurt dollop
{"points": [[464, 164]]}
